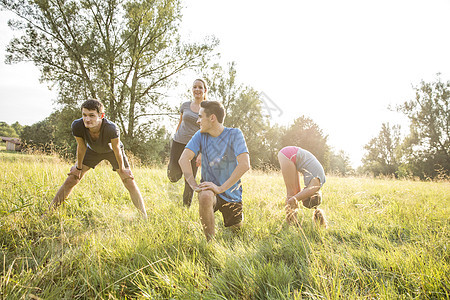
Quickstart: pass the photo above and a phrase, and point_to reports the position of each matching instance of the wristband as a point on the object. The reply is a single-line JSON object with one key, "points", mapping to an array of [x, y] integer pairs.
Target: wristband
{"points": [[78, 169]]}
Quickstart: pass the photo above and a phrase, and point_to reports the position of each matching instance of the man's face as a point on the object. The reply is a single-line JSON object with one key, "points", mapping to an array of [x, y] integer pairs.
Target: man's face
{"points": [[91, 118], [204, 121]]}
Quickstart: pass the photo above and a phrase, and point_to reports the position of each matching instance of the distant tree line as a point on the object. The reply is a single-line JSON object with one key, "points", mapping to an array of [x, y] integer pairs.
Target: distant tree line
{"points": [[425, 151], [13, 130]]}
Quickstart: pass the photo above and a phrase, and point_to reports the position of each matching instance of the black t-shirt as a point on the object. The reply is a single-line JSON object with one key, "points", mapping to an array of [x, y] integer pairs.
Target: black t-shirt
{"points": [[108, 131]]}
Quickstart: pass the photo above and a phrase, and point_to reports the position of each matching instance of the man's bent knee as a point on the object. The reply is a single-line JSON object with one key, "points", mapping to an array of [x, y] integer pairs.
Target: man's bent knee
{"points": [[206, 198]]}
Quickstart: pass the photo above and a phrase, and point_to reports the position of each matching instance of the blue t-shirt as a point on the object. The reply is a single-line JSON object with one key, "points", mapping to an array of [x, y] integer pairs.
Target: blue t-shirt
{"points": [[219, 158]]}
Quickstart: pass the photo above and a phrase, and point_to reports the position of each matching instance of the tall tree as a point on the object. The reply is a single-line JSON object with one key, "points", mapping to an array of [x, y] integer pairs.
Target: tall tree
{"points": [[17, 127], [382, 156], [340, 163], [122, 52], [243, 109], [272, 144], [307, 134], [427, 148], [223, 85], [8, 130], [246, 113], [52, 134]]}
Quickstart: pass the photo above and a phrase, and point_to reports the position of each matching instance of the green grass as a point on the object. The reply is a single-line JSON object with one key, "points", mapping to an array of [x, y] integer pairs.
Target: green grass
{"points": [[387, 240]]}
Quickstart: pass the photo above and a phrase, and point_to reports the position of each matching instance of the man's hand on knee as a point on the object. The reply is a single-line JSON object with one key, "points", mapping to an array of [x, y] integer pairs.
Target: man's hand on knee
{"points": [[75, 172], [206, 198], [125, 174], [210, 186]]}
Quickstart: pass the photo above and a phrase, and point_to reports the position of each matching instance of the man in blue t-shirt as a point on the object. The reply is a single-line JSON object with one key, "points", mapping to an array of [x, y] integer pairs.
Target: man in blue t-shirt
{"points": [[98, 139], [224, 160]]}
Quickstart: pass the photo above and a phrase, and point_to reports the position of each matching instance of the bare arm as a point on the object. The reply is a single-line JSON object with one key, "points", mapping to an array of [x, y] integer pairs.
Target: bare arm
{"points": [[115, 144], [312, 188], [123, 172], [179, 123], [81, 151], [185, 164], [243, 166]]}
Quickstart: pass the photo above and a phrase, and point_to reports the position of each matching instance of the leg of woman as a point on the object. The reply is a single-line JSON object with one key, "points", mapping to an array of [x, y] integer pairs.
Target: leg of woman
{"points": [[174, 172], [188, 192], [292, 183], [290, 175], [311, 196]]}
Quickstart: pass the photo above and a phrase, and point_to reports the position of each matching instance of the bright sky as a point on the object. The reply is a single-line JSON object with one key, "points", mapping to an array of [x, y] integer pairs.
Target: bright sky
{"points": [[340, 63]]}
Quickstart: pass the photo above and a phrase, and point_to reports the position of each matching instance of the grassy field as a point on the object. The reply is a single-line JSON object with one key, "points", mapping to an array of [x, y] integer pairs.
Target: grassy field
{"points": [[387, 239]]}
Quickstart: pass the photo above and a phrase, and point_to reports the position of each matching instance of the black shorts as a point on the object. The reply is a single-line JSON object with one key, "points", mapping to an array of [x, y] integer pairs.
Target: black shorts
{"points": [[92, 159], [231, 211]]}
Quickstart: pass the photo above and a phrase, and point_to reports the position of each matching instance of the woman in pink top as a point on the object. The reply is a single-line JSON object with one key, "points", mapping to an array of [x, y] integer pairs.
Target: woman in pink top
{"points": [[294, 160]]}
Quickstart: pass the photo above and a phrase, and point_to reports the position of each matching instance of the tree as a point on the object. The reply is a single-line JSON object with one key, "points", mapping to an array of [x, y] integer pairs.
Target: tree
{"points": [[246, 113], [340, 163], [382, 157], [53, 134], [151, 145], [39, 136], [7, 130], [307, 134], [223, 85], [243, 110], [427, 148], [122, 52], [17, 127], [272, 144]]}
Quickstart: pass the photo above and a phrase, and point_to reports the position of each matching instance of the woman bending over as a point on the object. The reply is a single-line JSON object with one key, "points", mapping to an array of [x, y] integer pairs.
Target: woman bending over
{"points": [[292, 161]]}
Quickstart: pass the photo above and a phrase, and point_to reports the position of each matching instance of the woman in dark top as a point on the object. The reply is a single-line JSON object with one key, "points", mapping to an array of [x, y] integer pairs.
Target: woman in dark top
{"points": [[185, 130]]}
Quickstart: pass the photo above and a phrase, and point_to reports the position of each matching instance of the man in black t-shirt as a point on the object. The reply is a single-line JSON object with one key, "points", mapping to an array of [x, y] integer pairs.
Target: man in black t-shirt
{"points": [[98, 139]]}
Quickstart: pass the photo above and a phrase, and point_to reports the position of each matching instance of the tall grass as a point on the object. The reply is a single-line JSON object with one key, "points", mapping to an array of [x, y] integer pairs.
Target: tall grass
{"points": [[387, 239]]}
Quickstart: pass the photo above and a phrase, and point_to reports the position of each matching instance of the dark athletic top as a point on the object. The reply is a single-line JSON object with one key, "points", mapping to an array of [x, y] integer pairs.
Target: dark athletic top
{"points": [[108, 131]]}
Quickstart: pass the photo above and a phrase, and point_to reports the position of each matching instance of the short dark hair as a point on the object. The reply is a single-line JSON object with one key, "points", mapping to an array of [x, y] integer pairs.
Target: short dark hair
{"points": [[93, 104], [214, 108]]}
